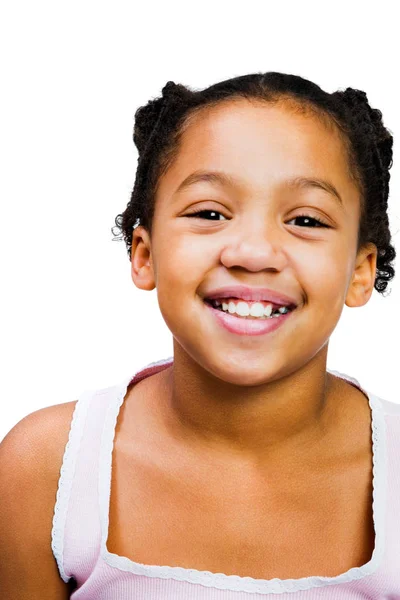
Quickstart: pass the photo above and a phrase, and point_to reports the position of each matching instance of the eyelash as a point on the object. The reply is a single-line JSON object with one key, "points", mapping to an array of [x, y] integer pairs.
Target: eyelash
{"points": [[320, 221]]}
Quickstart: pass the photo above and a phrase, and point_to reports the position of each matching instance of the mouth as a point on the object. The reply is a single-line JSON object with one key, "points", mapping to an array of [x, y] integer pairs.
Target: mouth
{"points": [[246, 325], [217, 305]]}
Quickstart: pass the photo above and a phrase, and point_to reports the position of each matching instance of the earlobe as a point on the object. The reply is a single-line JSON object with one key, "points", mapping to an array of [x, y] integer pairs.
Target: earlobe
{"points": [[142, 276]]}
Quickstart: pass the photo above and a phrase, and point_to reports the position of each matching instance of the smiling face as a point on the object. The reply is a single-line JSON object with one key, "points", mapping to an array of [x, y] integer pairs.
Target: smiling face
{"points": [[255, 236]]}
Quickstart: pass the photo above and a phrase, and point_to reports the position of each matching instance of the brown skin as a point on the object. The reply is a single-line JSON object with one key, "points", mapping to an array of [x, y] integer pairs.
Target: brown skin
{"points": [[261, 399]]}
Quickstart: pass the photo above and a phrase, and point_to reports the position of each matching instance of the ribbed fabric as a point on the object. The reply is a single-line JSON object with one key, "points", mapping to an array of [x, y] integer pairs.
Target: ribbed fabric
{"points": [[81, 519]]}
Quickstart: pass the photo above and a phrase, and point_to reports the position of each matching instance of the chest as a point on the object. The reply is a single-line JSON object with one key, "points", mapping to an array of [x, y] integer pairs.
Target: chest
{"points": [[283, 524]]}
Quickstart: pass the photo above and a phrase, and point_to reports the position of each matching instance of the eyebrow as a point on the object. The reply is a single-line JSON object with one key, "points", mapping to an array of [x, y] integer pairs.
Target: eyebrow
{"points": [[225, 179]]}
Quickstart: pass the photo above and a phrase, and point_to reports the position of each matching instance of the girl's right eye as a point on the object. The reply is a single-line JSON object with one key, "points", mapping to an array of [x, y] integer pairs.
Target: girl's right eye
{"points": [[199, 212], [302, 216]]}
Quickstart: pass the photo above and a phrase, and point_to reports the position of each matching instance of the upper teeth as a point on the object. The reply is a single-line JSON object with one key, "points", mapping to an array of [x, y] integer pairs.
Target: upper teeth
{"points": [[254, 309]]}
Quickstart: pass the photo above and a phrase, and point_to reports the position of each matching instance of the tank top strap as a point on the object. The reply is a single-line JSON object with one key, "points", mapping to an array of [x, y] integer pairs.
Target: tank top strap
{"points": [[76, 532]]}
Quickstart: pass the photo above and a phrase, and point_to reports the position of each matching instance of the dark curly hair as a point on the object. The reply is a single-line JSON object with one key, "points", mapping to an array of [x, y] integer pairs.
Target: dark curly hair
{"points": [[160, 124]]}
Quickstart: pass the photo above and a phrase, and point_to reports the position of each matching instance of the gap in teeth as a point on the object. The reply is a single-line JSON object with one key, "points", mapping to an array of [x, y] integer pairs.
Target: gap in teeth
{"points": [[245, 309]]}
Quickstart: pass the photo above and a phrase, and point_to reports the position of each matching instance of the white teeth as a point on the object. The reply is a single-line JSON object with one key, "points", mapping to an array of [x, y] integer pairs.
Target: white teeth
{"points": [[255, 310]]}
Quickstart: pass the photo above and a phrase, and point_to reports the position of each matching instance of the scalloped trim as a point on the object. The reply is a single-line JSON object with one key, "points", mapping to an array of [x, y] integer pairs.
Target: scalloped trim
{"points": [[236, 582], [67, 472]]}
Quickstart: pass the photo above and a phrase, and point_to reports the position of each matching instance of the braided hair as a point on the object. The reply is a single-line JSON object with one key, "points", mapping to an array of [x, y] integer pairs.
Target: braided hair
{"points": [[160, 124]]}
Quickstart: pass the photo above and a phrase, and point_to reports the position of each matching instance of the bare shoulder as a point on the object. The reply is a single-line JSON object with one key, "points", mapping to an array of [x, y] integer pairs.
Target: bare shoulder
{"points": [[40, 439], [31, 456]]}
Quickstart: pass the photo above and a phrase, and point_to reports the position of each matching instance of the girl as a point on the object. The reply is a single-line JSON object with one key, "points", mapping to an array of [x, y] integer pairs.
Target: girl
{"points": [[242, 467]]}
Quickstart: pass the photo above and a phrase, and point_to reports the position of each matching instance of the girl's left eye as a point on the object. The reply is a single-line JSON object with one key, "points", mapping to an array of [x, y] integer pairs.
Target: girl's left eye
{"points": [[320, 222]]}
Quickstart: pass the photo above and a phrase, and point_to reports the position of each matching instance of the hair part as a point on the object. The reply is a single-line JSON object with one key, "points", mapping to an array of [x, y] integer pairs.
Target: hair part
{"points": [[161, 123]]}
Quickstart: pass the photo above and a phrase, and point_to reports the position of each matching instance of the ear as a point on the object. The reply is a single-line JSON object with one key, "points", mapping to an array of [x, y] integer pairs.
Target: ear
{"points": [[141, 260], [362, 283]]}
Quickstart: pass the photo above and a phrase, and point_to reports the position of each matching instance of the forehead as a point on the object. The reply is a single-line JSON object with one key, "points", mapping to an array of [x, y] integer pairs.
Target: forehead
{"points": [[260, 143]]}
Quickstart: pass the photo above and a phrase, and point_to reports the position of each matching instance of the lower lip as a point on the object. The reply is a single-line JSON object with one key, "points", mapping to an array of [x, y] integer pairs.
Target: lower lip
{"points": [[247, 326]]}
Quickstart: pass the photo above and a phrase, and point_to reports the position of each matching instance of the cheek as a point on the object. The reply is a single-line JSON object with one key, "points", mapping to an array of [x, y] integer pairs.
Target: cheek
{"points": [[183, 260], [324, 276], [180, 272]]}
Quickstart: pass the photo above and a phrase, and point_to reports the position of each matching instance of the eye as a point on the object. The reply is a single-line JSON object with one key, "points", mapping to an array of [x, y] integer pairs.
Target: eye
{"points": [[320, 222], [200, 212]]}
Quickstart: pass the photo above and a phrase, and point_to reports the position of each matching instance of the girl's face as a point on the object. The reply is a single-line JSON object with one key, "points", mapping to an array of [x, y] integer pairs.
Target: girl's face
{"points": [[254, 236]]}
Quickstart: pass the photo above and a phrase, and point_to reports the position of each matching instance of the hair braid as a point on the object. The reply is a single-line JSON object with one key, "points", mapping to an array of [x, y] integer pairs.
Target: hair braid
{"points": [[372, 143]]}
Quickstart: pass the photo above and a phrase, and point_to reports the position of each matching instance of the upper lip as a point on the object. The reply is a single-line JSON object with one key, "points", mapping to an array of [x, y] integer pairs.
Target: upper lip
{"points": [[251, 294]]}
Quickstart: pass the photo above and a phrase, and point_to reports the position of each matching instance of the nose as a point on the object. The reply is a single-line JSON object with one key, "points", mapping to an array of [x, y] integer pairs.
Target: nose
{"points": [[255, 245]]}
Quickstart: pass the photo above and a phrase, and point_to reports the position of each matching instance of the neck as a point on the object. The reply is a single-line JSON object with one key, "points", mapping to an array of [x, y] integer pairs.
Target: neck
{"points": [[283, 414]]}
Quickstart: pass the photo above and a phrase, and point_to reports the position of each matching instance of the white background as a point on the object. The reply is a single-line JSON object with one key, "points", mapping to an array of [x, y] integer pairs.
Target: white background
{"points": [[72, 75]]}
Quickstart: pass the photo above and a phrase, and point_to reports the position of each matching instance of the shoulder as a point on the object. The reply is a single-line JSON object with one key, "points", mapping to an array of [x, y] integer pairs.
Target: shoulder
{"points": [[43, 430], [31, 453], [40, 437], [31, 456]]}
